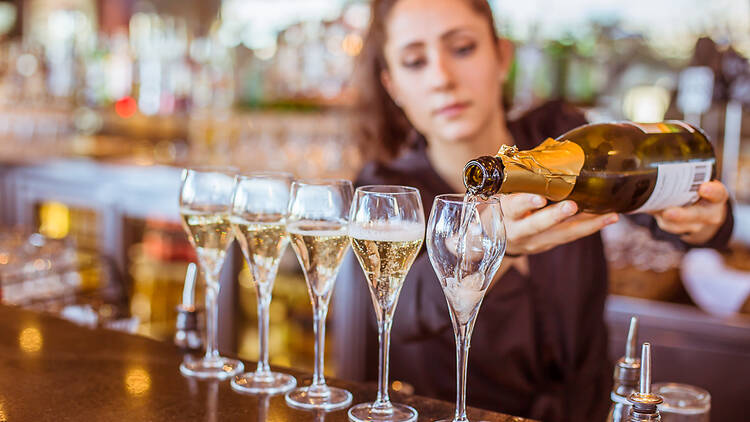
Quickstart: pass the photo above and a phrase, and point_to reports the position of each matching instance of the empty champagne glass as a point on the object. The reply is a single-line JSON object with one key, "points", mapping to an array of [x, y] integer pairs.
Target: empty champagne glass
{"points": [[466, 244], [259, 212], [386, 228], [317, 226], [205, 206]]}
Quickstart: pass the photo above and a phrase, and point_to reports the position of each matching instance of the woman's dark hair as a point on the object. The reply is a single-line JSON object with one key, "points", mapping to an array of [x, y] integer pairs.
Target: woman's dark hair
{"points": [[385, 128]]}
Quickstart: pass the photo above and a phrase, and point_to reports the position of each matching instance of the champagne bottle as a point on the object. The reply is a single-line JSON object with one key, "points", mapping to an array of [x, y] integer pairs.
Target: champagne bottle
{"points": [[606, 167]]}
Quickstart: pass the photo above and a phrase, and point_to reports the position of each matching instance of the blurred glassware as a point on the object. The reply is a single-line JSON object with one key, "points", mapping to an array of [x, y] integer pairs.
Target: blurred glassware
{"points": [[683, 402]]}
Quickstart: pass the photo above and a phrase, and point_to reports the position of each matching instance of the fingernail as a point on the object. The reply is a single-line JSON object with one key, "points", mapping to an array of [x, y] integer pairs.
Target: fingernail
{"points": [[612, 219], [538, 201], [569, 207]]}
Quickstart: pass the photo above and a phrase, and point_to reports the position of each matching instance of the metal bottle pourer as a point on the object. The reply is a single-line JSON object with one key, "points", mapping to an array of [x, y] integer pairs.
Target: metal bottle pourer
{"points": [[187, 335], [628, 367], [644, 401]]}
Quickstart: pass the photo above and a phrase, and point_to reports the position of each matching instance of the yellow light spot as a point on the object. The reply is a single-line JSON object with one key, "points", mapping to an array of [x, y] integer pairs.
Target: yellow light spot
{"points": [[137, 381], [54, 219], [246, 278], [30, 340], [4, 258], [352, 44], [397, 385], [41, 264]]}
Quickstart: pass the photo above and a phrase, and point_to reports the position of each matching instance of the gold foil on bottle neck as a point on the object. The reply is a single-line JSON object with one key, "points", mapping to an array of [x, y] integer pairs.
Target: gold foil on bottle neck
{"points": [[550, 169]]}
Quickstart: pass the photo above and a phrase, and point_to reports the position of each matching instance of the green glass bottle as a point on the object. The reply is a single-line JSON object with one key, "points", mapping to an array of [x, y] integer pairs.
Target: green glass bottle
{"points": [[605, 167]]}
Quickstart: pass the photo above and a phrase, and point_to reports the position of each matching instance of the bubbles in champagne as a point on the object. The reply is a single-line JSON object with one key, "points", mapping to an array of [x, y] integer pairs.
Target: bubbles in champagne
{"points": [[320, 247], [210, 234], [386, 253], [262, 238]]}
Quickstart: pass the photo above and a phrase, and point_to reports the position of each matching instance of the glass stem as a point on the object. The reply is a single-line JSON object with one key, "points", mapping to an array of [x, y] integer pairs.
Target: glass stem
{"points": [[264, 303], [212, 317], [319, 327], [383, 402], [463, 339]]}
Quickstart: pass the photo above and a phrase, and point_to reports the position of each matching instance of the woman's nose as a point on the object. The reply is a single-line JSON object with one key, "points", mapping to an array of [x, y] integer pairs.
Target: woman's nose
{"points": [[440, 74]]}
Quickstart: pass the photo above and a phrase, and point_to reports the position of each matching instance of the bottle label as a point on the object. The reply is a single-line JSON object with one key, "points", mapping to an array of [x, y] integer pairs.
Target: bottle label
{"points": [[677, 185]]}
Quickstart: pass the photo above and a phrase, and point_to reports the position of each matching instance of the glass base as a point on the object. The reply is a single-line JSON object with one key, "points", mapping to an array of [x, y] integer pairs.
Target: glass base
{"points": [[398, 413], [331, 398], [265, 383], [215, 368]]}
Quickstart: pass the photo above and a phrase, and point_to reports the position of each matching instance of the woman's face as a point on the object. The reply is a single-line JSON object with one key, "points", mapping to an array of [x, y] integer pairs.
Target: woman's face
{"points": [[445, 69]]}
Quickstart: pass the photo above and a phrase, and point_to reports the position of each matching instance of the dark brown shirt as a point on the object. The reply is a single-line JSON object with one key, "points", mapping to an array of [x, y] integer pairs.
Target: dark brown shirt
{"points": [[539, 347]]}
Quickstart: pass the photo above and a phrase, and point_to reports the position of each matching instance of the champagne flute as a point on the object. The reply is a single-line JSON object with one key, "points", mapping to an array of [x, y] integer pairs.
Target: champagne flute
{"points": [[466, 244], [205, 203], [259, 211], [317, 226], [386, 228]]}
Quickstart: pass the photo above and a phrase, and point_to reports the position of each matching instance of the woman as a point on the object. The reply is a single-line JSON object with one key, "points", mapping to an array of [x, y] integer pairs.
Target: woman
{"points": [[432, 75]]}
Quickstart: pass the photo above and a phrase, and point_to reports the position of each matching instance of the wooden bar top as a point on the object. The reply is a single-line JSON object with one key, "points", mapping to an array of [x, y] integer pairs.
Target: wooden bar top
{"points": [[52, 369]]}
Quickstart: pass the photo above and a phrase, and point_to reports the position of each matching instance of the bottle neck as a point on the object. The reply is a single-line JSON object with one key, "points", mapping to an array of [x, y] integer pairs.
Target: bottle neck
{"points": [[550, 170], [484, 175], [636, 416]]}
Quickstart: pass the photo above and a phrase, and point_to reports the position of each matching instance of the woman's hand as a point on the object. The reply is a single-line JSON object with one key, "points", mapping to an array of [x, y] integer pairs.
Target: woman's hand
{"points": [[699, 222], [532, 227]]}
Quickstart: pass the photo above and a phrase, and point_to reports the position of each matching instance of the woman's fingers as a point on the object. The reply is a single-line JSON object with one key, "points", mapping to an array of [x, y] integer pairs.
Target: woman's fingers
{"points": [[714, 192], [572, 229], [543, 219], [517, 205]]}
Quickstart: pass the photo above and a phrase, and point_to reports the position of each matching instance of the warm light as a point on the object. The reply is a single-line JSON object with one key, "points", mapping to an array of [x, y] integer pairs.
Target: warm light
{"points": [[352, 44], [245, 278], [54, 218], [4, 258], [126, 107], [30, 340], [646, 104], [267, 52], [397, 385], [26, 64], [137, 381]]}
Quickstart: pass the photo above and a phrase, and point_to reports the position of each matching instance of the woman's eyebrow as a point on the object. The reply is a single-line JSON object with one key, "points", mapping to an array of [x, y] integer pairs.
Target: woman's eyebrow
{"points": [[455, 31], [445, 35], [412, 45]]}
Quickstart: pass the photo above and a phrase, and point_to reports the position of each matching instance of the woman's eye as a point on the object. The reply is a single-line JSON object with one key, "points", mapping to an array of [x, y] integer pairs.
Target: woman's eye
{"points": [[464, 49], [415, 63]]}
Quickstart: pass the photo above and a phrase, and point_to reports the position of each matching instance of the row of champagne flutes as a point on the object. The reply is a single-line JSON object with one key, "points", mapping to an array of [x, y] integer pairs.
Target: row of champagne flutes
{"points": [[385, 227]]}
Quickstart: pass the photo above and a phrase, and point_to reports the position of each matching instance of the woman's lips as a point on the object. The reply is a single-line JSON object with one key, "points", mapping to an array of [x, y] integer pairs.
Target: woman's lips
{"points": [[452, 110]]}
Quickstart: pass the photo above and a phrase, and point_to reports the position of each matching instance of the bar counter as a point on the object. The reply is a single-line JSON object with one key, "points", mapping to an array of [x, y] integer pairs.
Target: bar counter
{"points": [[52, 369]]}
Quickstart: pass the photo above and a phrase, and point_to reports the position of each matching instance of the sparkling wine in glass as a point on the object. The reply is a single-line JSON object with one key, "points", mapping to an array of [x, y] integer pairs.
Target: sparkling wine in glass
{"points": [[466, 244], [205, 207], [259, 212], [386, 228], [317, 226]]}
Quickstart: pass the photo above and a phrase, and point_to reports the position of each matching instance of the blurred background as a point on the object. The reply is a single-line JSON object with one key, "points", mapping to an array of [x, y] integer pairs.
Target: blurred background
{"points": [[102, 103]]}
